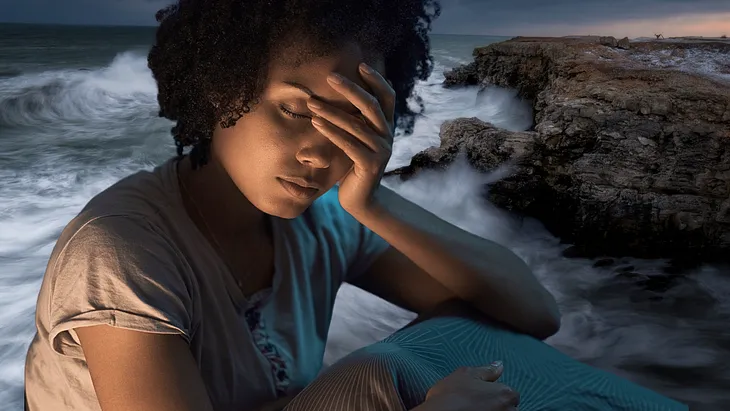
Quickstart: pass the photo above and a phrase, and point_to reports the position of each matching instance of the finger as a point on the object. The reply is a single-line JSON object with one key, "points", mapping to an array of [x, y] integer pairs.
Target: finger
{"points": [[368, 104], [490, 373], [508, 396], [347, 122], [517, 398], [382, 88], [353, 148]]}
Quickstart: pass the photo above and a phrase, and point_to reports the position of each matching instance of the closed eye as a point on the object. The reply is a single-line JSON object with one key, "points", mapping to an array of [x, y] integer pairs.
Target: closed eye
{"points": [[292, 114]]}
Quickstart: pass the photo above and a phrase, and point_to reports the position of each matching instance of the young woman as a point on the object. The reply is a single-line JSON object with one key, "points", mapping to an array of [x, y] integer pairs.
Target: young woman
{"points": [[209, 283]]}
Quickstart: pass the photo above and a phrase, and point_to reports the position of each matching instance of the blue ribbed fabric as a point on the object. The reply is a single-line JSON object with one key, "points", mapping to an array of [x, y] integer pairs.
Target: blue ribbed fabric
{"points": [[396, 373]]}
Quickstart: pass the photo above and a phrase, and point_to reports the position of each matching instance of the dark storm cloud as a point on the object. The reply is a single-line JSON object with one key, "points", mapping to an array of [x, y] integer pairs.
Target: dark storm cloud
{"points": [[505, 16], [458, 16], [116, 12]]}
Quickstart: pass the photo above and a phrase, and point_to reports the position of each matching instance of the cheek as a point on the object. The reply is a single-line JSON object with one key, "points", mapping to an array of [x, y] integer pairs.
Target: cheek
{"points": [[248, 142], [282, 133], [264, 134], [341, 164]]}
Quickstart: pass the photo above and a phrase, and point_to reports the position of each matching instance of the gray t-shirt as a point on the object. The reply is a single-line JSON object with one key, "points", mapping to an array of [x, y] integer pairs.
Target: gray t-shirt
{"points": [[133, 259]]}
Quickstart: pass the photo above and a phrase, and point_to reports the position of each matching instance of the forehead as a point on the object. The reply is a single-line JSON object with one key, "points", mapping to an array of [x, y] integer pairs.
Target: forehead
{"points": [[292, 65]]}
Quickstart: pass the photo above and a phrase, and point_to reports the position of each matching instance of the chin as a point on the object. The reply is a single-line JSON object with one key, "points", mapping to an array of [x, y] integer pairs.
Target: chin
{"points": [[286, 208], [289, 214]]}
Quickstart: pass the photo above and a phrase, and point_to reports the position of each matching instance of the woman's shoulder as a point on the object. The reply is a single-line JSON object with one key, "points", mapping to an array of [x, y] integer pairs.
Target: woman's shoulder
{"points": [[135, 209], [116, 239], [117, 270], [120, 259], [144, 193]]}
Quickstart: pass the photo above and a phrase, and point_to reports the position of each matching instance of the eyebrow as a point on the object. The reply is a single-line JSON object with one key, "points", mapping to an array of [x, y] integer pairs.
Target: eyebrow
{"points": [[351, 109], [303, 88]]}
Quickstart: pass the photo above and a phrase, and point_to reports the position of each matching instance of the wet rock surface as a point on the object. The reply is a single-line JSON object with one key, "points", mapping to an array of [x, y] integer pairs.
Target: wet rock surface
{"points": [[625, 158]]}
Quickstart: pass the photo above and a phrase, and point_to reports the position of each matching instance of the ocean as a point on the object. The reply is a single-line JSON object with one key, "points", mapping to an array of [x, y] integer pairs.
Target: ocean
{"points": [[78, 111]]}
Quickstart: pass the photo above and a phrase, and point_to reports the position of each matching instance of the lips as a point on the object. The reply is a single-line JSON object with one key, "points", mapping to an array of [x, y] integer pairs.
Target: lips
{"points": [[299, 187]]}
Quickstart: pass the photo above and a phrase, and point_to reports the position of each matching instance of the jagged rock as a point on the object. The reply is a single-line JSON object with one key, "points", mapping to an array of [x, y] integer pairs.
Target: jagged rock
{"points": [[486, 146], [462, 76], [624, 159], [609, 41], [624, 43]]}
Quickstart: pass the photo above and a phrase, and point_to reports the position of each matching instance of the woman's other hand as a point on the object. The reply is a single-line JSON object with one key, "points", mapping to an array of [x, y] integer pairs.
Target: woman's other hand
{"points": [[471, 389]]}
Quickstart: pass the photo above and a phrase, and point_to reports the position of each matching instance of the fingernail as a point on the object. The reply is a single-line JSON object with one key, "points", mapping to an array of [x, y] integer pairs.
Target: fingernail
{"points": [[335, 78], [496, 364], [317, 121], [366, 69]]}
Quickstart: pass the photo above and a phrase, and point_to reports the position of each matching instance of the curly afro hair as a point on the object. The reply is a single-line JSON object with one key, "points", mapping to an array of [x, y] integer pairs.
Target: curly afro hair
{"points": [[211, 57]]}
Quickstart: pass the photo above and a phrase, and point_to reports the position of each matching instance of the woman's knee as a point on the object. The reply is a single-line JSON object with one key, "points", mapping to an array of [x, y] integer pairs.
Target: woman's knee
{"points": [[366, 380]]}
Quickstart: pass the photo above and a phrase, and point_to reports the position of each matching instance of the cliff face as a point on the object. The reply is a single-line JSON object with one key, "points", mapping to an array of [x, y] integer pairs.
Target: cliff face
{"points": [[630, 153]]}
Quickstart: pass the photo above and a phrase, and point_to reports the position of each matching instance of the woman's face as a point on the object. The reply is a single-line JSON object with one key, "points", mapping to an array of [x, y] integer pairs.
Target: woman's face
{"points": [[273, 154]]}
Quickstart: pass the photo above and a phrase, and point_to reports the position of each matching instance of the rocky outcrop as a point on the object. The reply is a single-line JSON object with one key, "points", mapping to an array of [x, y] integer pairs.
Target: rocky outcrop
{"points": [[485, 146], [609, 41], [624, 158], [465, 75]]}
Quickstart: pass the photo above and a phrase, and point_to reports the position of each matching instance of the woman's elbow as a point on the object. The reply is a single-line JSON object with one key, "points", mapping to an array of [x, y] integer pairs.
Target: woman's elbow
{"points": [[546, 328], [548, 322]]}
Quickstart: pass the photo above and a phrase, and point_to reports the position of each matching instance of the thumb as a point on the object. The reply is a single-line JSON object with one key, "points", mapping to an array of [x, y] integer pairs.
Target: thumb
{"points": [[490, 373]]}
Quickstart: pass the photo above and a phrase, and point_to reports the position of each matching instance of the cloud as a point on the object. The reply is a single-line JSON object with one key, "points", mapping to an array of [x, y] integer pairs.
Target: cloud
{"points": [[562, 17], [500, 17], [104, 12]]}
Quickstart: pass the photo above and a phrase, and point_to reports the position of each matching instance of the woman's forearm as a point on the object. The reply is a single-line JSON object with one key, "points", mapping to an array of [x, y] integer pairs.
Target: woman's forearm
{"points": [[491, 277]]}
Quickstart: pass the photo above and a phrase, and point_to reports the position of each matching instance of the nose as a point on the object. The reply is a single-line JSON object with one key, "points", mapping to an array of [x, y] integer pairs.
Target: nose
{"points": [[317, 152]]}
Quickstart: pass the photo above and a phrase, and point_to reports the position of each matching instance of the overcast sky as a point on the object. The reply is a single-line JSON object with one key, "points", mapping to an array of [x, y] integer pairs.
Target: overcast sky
{"points": [[633, 18]]}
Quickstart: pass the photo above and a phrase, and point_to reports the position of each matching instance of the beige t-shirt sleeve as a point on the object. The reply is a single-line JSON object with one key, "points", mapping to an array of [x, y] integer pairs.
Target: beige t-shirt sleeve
{"points": [[121, 272]]}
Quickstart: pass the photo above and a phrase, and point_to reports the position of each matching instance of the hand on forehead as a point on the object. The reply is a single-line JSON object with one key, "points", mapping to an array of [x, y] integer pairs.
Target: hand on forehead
{"points": [[310, 76]]}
